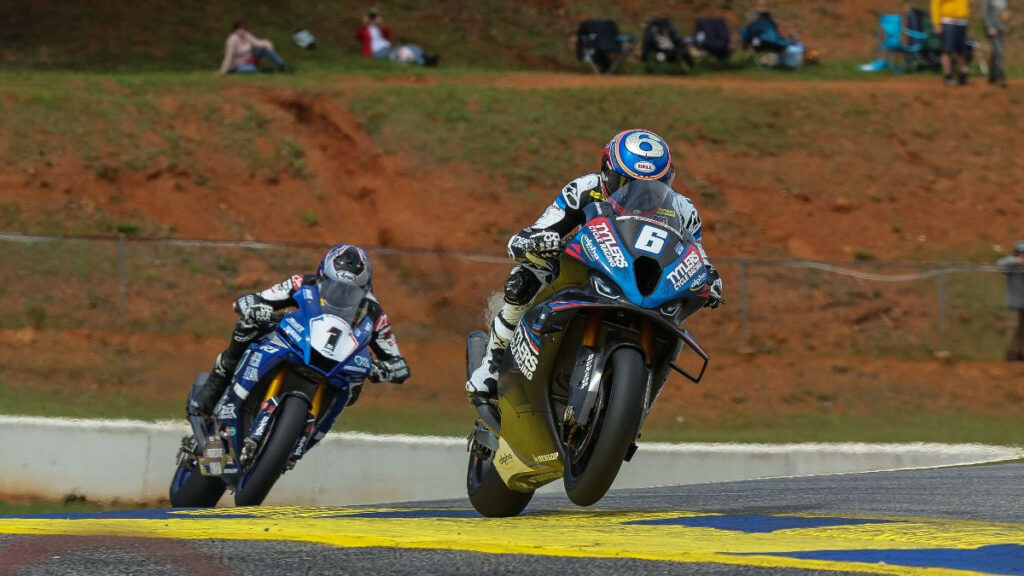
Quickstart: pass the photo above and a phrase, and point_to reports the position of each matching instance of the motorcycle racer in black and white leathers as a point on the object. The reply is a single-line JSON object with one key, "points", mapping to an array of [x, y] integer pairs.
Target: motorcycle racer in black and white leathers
{"points": [[630, 155], [344, 276]]}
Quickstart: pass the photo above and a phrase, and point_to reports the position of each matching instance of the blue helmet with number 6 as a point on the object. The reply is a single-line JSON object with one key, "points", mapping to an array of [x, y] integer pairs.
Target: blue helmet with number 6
{"points": [[345, 278], [635, 154]]}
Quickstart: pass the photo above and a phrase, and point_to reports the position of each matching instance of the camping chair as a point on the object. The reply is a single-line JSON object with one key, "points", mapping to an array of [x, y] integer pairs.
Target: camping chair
{"points": [[768, 47], [711, 36], [892, 46], [928, 55], [663, 46], [976, 56], [599, 44]]}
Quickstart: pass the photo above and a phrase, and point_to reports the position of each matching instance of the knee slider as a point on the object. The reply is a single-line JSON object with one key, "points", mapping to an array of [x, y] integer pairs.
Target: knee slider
{"points": [[521, 286]]}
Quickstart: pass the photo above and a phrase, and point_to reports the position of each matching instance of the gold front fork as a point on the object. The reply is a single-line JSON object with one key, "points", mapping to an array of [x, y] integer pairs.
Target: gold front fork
{"points": [[275, 389], [275, 385], [592, 329], [647, 339], [318, 400]]}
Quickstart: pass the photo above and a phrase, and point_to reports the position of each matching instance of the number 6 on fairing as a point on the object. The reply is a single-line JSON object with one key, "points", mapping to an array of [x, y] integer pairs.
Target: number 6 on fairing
{"points": [[651, 240]]}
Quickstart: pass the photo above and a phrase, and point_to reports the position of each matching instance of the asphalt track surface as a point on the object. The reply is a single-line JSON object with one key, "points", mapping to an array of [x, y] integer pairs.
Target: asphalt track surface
{"points": [[952, 521]]}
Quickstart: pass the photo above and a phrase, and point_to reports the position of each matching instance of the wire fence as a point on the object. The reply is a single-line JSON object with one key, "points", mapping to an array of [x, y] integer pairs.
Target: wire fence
{"points": [[174, 285]]}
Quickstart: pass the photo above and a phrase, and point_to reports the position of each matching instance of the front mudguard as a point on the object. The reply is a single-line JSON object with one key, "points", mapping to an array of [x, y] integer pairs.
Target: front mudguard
{"points": [[585, 383], [263, 422]]}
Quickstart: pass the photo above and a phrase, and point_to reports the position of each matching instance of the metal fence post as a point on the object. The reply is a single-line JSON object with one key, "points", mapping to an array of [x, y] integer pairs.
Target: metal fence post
{"points": [[743, 299], [940, 288], [122, 275]]}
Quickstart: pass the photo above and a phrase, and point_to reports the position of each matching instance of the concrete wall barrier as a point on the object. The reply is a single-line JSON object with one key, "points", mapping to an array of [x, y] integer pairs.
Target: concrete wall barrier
{"points": [[133, 461]]}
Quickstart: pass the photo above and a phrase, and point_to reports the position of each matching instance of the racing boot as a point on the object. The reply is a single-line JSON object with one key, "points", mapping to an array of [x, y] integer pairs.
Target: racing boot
{"points": [[483, 382], [206, 398], [524, 282]]}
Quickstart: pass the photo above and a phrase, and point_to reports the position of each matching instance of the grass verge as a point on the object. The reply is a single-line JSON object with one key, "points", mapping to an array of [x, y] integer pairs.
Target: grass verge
{"points": [[375, 418], [54, 403]]}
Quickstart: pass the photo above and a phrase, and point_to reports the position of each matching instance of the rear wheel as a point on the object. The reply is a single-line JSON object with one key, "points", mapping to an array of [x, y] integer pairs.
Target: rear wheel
{"points": [[190, 489], [592, 464], [487, 491], [270, 462]]}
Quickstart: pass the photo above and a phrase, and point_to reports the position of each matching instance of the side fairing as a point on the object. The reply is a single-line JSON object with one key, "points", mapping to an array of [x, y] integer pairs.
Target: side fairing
{"points": [[260, 361]]}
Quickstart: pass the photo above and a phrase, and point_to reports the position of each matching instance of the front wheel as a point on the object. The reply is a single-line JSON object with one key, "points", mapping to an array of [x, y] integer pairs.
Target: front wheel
{"points": [[270, 462], [487, 491], [190, 489], [591, 468]]}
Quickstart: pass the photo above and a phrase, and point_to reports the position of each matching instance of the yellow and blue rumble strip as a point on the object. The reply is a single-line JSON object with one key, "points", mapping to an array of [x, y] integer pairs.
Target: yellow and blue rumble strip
{"points": [[866, 544]]}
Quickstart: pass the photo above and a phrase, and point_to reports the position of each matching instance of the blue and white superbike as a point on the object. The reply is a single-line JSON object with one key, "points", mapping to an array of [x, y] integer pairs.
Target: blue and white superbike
{"points": [[287, 391], [589, 358]]}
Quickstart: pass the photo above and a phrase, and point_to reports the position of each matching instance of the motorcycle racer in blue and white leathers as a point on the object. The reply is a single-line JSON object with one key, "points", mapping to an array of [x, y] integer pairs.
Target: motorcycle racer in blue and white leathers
{"points": [[631, 155], [345, 282]]}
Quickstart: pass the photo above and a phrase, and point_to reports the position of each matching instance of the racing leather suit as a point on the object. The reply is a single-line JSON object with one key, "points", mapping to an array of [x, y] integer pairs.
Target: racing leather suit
{"points": [[390, 366], [533, 273]]}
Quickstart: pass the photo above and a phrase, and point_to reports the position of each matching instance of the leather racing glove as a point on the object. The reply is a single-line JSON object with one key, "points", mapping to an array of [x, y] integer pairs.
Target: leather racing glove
{"points": [[252, 310], [544, 244], [390, 370], [716, 288]]}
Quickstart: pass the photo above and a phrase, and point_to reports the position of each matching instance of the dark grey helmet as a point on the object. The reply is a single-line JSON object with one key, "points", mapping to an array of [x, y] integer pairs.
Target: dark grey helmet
{"points": [[345, 279]]}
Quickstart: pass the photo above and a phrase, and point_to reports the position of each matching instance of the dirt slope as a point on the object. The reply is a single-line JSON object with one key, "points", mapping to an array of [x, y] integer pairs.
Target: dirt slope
{"points": [[925, 193]]}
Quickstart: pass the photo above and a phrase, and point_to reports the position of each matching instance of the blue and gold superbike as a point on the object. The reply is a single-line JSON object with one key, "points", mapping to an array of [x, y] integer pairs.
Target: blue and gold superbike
{"points": [[588, 360], [287, 391]]}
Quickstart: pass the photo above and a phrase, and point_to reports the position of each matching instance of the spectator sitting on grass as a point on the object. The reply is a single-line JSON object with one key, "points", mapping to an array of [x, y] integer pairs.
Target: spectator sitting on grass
{"points": [[376, 41], [243, 51], [1013, 267]]}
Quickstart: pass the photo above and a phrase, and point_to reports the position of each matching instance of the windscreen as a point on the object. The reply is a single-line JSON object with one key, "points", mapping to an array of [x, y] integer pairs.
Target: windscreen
{"points": [[651, 200], [341, 298]]}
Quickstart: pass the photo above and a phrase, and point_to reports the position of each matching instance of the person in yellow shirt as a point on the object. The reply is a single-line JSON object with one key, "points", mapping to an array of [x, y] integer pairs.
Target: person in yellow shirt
{"points": [[949, 17]]}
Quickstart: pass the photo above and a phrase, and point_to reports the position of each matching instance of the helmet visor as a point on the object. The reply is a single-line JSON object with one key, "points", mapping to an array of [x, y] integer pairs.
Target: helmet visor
{"points": [[341, 298], [613, 180]]}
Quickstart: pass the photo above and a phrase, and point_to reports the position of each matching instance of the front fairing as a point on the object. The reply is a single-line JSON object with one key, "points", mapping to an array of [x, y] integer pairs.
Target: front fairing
{"points": [[305, 337], [555, 312], [650, 263], [326, 343]]}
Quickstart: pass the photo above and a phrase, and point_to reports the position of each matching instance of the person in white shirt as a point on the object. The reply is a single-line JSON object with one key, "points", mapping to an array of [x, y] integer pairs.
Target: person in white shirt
{"points": [[243, 51]]}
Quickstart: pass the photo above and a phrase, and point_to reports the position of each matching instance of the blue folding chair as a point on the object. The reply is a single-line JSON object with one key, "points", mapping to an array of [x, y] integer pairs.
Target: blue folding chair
{"points": [[892, 45]]}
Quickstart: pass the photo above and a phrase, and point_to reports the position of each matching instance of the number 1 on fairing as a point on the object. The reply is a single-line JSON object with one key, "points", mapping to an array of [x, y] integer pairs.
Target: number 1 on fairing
{"points": [[651, 240]]}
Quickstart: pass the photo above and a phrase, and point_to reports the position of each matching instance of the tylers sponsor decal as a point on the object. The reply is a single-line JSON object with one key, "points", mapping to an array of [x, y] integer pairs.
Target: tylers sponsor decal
{"points": [[523, 353], [608, 244], [688, 266]]}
